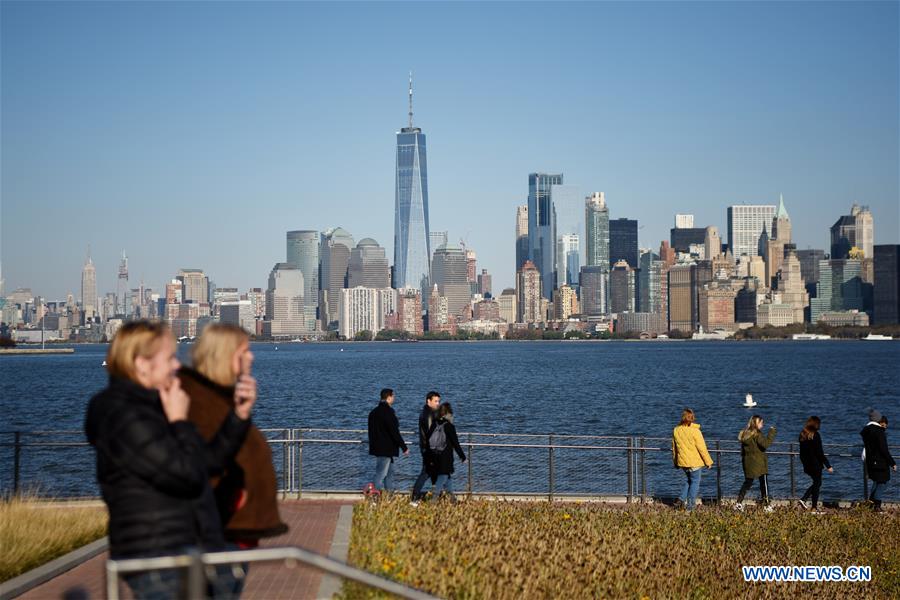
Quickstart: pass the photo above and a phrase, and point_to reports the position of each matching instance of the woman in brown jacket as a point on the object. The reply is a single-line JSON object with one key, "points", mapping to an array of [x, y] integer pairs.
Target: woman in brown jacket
{"points": [[246, 493]]}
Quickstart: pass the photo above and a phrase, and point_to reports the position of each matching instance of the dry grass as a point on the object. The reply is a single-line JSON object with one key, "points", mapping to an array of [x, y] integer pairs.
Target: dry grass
{"points": [[33, 533], [484, 549]]}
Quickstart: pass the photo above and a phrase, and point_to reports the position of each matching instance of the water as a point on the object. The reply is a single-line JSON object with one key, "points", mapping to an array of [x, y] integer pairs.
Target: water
{"points": [[578, 388]]}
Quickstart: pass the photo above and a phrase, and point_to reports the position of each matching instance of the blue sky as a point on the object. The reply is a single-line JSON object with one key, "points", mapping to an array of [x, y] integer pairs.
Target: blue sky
{"points": [[196, 134]]}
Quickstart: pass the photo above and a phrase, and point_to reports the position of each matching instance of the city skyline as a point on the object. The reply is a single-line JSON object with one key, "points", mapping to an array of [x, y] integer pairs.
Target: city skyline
{"points": [[186, 156]]}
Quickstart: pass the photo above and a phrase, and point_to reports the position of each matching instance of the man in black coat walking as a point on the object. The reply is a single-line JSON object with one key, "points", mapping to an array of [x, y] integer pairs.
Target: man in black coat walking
{"points": [[879, 461], [427, 417], [385, 440]]}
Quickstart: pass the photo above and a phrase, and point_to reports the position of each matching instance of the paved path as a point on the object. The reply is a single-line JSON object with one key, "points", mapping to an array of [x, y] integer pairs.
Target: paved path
{"points": [[312, 526]]}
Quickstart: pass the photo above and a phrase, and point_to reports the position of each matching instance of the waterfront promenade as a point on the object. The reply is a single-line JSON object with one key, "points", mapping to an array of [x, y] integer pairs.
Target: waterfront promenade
{"points": [[316, 525]]}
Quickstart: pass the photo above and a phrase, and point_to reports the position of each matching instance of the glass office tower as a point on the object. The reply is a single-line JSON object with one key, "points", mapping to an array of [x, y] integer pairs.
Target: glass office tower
{"points": [[411, 231], [542, 228]]}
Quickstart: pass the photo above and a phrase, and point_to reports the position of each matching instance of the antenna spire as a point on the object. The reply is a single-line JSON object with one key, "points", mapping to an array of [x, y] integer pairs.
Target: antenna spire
{"points": [[410, 100]]}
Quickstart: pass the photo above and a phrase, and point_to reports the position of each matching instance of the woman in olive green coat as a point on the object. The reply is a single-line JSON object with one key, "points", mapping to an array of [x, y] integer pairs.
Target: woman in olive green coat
{"points": [[754, 460]]}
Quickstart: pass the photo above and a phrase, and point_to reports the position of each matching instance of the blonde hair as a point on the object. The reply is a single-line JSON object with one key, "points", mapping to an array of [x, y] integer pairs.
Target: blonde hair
{"points": [[687, 417], [751, 429], [133, 340], [214, 350]]}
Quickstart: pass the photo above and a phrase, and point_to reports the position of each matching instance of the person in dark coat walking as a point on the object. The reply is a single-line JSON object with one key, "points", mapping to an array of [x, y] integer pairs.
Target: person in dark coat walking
{"points": [[385, 441], [152, 466], [879, 461], [754, 460], [247, 491], [426, 418], [812, 456], [442, 443]]}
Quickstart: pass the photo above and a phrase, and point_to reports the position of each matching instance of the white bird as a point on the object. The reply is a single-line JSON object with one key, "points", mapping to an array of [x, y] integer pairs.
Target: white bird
{"points": [[748, 401]]}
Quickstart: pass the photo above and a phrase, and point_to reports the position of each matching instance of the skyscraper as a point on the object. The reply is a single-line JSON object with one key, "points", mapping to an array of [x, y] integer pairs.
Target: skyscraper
{"points": [[528, 288], [887, 284], [449, 274], [596, 219], [194, 286], [368, 266], [855, 230], [840, 288], [542, 228], [521, 236], [792, 287], [594, 282], [745, 224], [411, 230], [336, 246], [364, 309], [568, 261], [653, 293], [303, 255], [682, 300], [712, 243], [122, 302], [436, 239], [623, 242], [89, 302], [484, 283], [683, 221], [621, 287], [285, 313], [568, 205]]}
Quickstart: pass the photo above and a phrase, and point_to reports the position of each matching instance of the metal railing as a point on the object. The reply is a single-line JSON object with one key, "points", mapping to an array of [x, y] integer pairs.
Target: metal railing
{"points": [[336, 460], [196, 566]]}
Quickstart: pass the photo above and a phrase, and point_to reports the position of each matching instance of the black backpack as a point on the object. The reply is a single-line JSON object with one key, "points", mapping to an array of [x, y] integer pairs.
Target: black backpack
{"points": [[437, 439]]}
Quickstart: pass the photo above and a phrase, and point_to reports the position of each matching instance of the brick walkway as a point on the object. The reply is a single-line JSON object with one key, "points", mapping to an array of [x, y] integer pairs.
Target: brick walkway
{"points": [[312, 525]]}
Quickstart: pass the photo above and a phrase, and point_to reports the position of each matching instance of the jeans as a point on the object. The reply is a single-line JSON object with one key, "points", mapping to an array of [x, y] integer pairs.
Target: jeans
{"points": [[444, 482], [813, 490], [763, 489], [384, 473], [877, 490], [420, 481], [168, 583], [155, 585], [691, 488]]}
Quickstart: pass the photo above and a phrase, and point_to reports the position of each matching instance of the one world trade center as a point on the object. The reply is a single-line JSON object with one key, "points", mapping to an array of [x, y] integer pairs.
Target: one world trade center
{"points": [[411, 231]]}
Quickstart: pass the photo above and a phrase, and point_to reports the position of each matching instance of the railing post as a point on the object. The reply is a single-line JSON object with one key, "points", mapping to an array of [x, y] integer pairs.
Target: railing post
{"points": [[550, 469], [17, 454], [643, 474], [469, 466], [299, 463], [196, 581], [285, 467], [793, 480], [630, 470], [718, 473], [865, 482]]}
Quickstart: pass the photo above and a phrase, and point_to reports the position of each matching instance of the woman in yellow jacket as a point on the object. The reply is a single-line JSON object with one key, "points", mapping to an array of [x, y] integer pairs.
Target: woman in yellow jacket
{"points": [[690, 455]]}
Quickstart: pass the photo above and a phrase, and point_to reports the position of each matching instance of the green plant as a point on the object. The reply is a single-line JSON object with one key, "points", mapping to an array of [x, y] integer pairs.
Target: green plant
{"points": [[491, 549]]}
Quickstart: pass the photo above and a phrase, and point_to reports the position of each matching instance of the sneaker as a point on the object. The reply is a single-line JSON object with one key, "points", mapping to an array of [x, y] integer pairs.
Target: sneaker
{"points": [[414, 503], [739, 507], [769, 508], [818, 512], [803, 503]]}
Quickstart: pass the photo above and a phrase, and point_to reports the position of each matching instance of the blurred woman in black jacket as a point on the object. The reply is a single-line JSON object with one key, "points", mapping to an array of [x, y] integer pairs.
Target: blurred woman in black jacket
{"points": [[812, 455], [152, 466], [442, 443]]}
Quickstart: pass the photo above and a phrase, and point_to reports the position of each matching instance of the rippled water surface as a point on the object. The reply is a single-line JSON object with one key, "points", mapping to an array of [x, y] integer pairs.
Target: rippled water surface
{"points": [[578, 388]]}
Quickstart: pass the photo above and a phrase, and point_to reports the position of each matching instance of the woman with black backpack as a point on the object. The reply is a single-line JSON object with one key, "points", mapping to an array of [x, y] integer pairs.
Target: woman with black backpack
{"points": [[442, 442]]}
